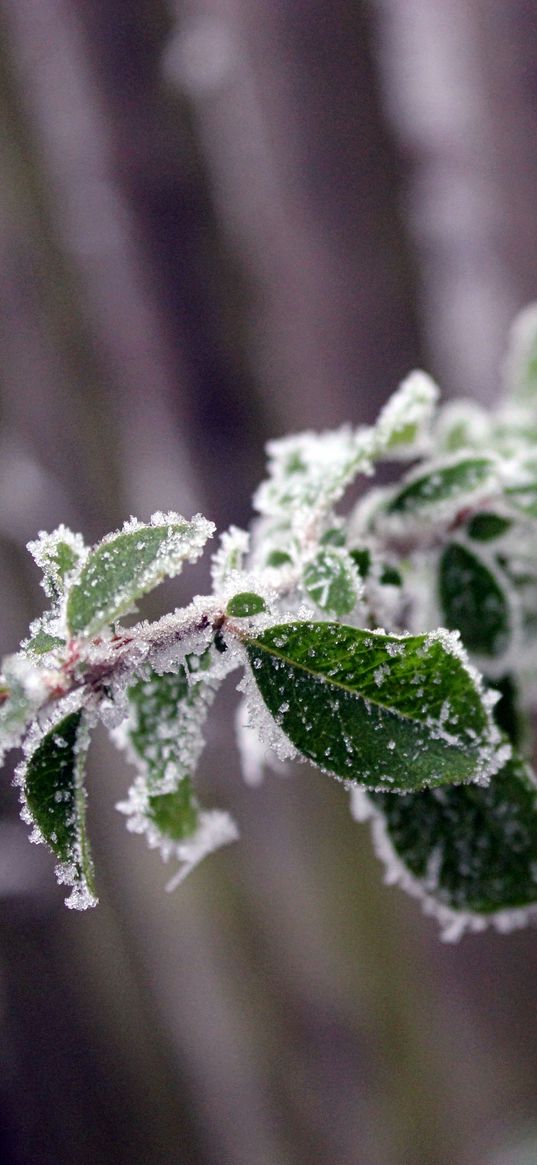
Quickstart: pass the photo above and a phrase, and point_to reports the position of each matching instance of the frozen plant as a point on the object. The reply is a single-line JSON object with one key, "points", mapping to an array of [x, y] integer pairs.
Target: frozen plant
{"points": [[393, 646]]}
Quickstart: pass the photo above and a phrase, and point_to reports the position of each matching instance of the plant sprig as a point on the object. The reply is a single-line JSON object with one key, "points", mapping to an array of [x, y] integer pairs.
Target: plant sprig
{"points": [[394, 646]]}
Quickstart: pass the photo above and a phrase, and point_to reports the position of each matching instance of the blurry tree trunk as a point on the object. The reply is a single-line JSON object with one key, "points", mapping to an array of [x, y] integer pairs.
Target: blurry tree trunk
{"points": [[303, 176], [460, 88]]}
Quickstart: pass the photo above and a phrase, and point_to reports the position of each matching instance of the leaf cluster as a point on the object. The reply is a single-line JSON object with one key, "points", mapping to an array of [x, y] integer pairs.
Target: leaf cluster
{"points": [[393, 645]]}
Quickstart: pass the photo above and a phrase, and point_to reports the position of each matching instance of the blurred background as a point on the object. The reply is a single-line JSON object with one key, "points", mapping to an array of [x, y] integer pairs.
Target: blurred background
{"points": [[221, 220]]}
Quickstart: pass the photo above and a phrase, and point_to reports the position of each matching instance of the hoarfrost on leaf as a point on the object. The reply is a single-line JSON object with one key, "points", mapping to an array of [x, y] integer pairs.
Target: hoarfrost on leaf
{"points": [[326, 678], [332, 580], [310, 471], [163, 738], [468, 852], [403, 427], [230, 555], [57, 554], [126, 565], [54, 801]]}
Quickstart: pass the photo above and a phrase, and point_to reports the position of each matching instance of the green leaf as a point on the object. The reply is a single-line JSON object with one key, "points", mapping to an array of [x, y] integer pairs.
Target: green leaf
{"points": [[390, 576], [361, 556], [335, 536], [444, 483], [175, 814], [245, 604], [385, 711], [332, 581], [55, 802], [308, 472], [471, 849], [487, 527], [127, 565], [42, 642], [164, 739], [473, 601], [278, 558], [405, 419], [463, 425], [165, 724]]}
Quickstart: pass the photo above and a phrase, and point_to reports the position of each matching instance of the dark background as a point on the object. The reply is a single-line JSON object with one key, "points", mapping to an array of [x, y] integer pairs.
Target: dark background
{"points": [[221, 221]]}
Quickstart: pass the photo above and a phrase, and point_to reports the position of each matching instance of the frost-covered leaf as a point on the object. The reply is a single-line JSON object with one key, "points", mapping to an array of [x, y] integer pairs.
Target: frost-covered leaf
{"points": [[309, 472], [246, 604], [163, 737], [467, 850], [164, 730], [487, 527], [404, 422], [229, 558], [382, 710], [522, 497], [125, 566], [43, 642], [55, 800], [57, 554], [454, 481], [334, 536], [462, 425], [473, 601], [175, 814], [521, 361], [46, 634], [332, 581]]}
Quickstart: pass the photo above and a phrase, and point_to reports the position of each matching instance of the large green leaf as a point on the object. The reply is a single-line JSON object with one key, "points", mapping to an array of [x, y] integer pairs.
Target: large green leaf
{"points": [[127, 565], [469, 848], [385, 711], [55, 802], [473, 601]]}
